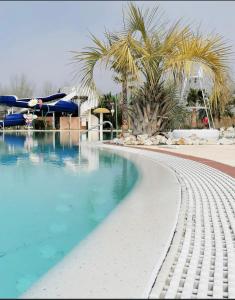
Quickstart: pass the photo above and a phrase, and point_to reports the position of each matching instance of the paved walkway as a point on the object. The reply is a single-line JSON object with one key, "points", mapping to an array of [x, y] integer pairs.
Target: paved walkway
{"points": [[216, 156], [224, 154], [200, 262]]}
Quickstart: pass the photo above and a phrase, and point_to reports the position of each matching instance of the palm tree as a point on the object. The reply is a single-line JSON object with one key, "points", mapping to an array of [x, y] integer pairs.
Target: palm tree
{"points": [[143, 51], [117, 54], [176, 52]]}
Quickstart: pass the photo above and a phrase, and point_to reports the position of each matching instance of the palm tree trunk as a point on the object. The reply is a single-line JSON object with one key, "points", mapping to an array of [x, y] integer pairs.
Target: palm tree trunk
{"points": [[124, 107]]}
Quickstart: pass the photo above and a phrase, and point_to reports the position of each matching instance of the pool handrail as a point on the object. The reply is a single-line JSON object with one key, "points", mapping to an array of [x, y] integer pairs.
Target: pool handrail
{"points": [[97, 125]]}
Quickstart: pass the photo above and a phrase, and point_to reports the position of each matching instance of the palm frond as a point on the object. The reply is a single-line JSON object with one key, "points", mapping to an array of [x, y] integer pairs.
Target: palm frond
{"points": [[89, 58], [142, 21], [124, 54], [210, 53]]}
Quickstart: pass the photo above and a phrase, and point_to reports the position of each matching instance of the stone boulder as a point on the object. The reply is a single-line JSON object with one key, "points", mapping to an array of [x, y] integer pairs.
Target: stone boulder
{"points": [[228, 134], [154, 140], [196, 142], [130, 140], [148, 142], [181, 141], [225, 141], [193, 137], [162, 139], [231, 129], [117, 141], [141, 138], [169, 141]]}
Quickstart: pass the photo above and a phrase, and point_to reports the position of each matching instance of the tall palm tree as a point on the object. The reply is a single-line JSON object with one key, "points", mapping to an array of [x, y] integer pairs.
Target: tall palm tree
{"points": [[143, 51]]}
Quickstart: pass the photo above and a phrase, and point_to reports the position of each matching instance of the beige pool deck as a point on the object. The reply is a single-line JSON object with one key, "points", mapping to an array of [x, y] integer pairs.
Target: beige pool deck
{"points": [[172, 237], [220, 153]]}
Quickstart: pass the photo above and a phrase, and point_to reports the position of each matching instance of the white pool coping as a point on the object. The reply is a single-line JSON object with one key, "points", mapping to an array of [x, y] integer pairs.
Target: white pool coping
{"points": [[122, 256]]}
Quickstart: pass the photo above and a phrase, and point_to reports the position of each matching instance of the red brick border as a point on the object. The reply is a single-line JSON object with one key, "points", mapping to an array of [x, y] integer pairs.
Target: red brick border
{"points": [[214, 164]]}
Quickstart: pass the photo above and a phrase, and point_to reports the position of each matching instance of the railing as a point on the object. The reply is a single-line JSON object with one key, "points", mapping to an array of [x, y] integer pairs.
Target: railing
{"points": [[105, 122]]}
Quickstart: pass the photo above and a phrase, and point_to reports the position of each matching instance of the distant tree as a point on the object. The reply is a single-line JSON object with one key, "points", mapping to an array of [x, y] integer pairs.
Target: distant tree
{"points": [[3, 90], [19, 86], [48, 89], [194, 96]]}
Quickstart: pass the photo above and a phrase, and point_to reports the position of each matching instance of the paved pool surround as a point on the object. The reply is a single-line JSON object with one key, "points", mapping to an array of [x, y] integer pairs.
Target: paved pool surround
{"points": [[123, 255], [172, 237]]}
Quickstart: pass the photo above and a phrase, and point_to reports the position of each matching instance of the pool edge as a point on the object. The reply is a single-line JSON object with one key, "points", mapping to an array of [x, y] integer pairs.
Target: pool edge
{"points": [[36, 290]]}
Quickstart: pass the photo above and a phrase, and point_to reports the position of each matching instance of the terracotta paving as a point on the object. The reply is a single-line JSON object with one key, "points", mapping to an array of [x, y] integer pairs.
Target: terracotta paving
{"points": [[214, 164]]}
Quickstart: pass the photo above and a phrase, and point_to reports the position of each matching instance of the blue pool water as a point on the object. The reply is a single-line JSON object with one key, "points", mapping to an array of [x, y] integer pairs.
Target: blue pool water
{"points": [[53, 193]]}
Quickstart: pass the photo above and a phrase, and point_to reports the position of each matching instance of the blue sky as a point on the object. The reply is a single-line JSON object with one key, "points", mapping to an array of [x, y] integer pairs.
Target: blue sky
{"points": [[36, 37]]}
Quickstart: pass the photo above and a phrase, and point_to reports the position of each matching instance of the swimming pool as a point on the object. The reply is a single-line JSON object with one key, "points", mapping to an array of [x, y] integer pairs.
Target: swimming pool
{"points": [[53, 194]]}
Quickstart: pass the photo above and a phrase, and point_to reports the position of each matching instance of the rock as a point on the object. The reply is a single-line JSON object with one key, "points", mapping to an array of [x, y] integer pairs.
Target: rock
{"points": [[181, 141], [153, 138], [228, 134], [231, 129], [174, 141], [141, 138], [225, 141], [162, 139], [193, 137], [155, 141], [148, 142], [114, 141], [117, 141], [169, 141], [129, 140], [170, 135]]}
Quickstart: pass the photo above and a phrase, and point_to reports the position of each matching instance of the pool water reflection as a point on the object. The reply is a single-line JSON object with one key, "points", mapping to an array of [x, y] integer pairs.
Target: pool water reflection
{"points": [[54, 192]]}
